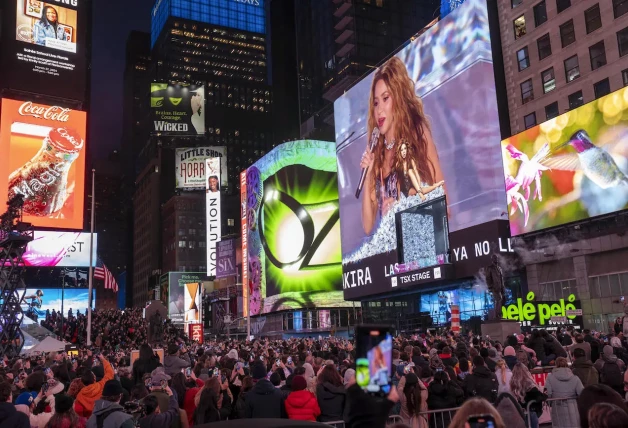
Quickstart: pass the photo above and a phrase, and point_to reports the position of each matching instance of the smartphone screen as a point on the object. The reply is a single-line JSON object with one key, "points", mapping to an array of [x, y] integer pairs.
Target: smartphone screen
{"points": [[481, 421], [188, 372], [374, 359]]}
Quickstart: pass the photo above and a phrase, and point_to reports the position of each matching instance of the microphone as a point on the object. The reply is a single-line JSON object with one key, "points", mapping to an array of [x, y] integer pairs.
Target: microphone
{"points": [[374, 140]]}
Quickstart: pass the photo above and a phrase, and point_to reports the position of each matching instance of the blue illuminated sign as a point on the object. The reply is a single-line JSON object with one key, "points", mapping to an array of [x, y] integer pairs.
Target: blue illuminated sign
{"points": [[246, 15]]}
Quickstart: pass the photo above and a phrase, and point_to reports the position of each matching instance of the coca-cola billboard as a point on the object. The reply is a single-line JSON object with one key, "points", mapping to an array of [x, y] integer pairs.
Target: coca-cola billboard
{"points": [[42, 158], [45, 47], [190, 166]]}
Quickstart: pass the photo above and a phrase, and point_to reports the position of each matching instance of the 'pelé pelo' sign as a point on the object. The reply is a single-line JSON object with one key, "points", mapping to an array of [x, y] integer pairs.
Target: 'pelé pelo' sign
{"points": [[539, 313]]}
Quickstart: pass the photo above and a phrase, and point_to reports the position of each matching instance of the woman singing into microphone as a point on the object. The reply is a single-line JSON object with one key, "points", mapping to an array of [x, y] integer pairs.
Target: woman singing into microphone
{"points": [[398, 113]]}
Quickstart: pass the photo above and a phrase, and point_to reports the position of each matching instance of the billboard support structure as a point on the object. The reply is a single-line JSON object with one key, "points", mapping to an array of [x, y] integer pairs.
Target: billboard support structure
{"points": [[91, 265]]}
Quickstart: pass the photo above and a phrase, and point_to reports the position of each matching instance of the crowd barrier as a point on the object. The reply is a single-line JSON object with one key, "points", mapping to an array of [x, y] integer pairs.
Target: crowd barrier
{"points": [[439, 418], [336, 424]]}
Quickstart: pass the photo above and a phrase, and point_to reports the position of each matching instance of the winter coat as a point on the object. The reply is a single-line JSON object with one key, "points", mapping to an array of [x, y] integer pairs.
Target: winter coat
{"points": [[562, 383], [331, 400], [86, 398], [510, 411], [585, 371], [264, 401], [554, 346], [174, 364], [162, 419], [610, 359], [188, 403], [511, 361], [537, 344], [116, 419], [585, 346], [504, 387], [414, 421], [140, 368], [443, 396], [10, 417], [420, 361], [302, 406], [481, 383]]}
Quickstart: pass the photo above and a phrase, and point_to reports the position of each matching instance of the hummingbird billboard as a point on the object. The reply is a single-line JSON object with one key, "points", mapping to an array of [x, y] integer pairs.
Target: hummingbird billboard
{"points": [[569, 168]]}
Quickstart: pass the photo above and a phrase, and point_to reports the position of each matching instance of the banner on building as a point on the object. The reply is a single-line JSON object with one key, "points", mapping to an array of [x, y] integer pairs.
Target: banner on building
{"points": [[195, 331], [212, 190], [177, 109], [190, 166], [226, 258]]}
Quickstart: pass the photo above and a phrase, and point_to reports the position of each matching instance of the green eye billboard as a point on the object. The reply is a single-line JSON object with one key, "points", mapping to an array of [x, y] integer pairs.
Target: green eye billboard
{"points": [[290, 221]]}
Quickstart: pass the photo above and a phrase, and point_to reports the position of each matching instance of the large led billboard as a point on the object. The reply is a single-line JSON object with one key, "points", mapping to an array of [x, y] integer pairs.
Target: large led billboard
{"points": [[189, 166], [183, 298], [45, 47], [60, 249], [569, 168], [291, 234], [424, 127], [42, 158], [37, 301], [177, 109]]}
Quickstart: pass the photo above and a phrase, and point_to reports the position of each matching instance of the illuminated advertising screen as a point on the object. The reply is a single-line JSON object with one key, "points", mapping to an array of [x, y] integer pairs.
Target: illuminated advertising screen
{"points": [[291, 231], [190, 166], [43, 149], [569, 168], [181, 295], [417, 139], [47, 51], [212, 191], [37, 301], [60, 249], [177, 109]]}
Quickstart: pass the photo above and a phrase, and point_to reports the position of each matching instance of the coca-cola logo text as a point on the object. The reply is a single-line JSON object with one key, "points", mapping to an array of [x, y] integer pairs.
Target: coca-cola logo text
{"points": [[45, 112]]}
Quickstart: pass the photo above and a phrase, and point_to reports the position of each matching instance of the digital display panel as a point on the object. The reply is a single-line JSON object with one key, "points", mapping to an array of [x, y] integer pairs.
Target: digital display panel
{"points": [[292, 235], [190, 166], [180, 296], [46, 52], [60, 249], [37, 301], [569, 168], [177, 109], [213, 221], [423, 126], [42, 158]]}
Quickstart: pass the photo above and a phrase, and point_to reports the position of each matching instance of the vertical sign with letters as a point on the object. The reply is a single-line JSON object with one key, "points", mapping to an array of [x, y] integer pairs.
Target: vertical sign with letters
{"points": [[214, 235]]}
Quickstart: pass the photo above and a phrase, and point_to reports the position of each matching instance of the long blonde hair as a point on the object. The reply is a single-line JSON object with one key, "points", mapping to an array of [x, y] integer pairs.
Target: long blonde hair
{"points": [[501, 365], [410, 121], [521, 382]]}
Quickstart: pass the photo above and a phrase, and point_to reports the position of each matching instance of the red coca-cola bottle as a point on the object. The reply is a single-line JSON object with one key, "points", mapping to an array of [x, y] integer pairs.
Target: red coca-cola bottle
{"points": [[43, 181]]}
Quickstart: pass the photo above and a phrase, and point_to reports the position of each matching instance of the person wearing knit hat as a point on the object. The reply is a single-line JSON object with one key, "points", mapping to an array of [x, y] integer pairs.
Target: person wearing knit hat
{"points": [[510, 356], [301, 404], [509, 351], [263, 400], [26, 403], [63, 403]]}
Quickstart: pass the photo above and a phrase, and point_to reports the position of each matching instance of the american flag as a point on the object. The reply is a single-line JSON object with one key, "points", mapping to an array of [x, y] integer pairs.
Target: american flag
{"points": [[101, 272]]}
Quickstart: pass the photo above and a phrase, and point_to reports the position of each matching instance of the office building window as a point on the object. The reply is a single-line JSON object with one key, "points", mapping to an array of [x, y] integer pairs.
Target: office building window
{"points": [[624, 77], [549, 80], [182, 244], [575, 100], [592, 18], [622, 41], [523, 59], [562, 5], [572, 68], [515, 3], [545, 46], [540, 13], [551, 111], [527, 93], [529, 120], [620, 7], [597, 53], [601, 88], [567, 33], [520, 26]]}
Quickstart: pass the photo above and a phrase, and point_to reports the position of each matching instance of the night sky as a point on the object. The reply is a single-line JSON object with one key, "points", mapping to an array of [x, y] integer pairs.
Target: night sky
{"points": [[111, 23]]}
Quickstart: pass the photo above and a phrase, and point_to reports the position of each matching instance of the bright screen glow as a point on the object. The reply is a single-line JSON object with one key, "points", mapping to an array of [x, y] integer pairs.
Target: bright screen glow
{"points": [[37, 301]]}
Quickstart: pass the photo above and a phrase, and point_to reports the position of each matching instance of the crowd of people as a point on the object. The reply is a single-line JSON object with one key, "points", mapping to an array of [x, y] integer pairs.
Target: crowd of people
{"points": [[314, 379]]}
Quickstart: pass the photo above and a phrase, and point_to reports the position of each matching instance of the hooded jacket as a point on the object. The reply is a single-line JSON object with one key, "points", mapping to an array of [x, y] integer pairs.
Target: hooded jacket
{"points": [[562, 383], [584, 369], [331, 400], [302, 406], [173, 364], [162, 419], [444, 396], [481, 383], [115, 418], [10, 417], [608, 357], [86, 398], [264, 401]]}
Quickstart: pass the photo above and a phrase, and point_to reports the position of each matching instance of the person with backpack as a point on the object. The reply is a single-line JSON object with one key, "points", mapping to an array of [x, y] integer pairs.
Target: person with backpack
{"points": [[481, 382], [108, 413], [562, 383], [611, 370], [584, 369]]}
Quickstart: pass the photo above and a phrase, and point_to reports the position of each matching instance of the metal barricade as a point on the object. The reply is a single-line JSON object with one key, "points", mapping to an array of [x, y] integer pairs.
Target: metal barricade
{"points": [[562, 409], [394, 419], [439, 418], [336, 424]]}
